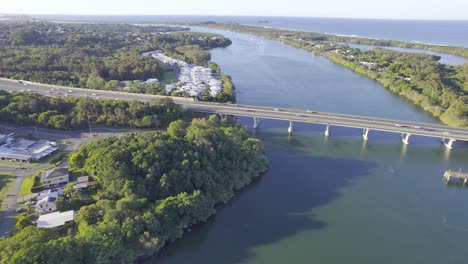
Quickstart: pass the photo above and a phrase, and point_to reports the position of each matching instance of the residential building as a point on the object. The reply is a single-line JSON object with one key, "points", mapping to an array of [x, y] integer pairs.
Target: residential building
{"points": [[46, 205], [56, 219], [55, 177]]}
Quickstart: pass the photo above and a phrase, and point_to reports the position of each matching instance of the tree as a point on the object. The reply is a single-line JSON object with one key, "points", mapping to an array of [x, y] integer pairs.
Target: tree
{"points": [[23, 222], [95, 82], [177, 129]]}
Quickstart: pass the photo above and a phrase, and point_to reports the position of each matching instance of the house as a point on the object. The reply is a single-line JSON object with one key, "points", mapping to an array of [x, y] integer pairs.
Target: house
{"points": [[47, 204], [83, 183], [49, 192], [57, 219], [54, 177]]}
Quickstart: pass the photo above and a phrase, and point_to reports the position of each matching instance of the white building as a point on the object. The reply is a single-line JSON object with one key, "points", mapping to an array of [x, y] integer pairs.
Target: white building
{"points": [[56, 219], [46, 205], [192, 80], [27, 150]]}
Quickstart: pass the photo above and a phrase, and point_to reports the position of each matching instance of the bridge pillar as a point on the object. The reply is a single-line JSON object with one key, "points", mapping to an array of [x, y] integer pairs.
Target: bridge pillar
{"points": [[365, 133], [327, 130], [256, 122], [448, 143], [290, 128], [405, 138]]}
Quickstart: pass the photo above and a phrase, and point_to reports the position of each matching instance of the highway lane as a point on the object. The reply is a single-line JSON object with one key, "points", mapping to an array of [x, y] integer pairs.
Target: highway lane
{"points": [[295, 115]]}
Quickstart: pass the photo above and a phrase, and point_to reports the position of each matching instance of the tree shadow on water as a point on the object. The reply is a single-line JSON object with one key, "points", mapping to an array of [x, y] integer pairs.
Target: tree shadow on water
{"points": [[280, 205]]}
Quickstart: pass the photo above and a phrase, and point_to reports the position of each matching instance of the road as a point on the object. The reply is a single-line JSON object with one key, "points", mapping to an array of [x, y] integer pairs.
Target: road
{"points": [[74, 139], [295, 115]]}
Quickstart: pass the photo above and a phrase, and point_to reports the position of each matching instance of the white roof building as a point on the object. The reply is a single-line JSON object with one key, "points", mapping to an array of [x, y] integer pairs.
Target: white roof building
{"points": [[56, 219], [192, 79]]}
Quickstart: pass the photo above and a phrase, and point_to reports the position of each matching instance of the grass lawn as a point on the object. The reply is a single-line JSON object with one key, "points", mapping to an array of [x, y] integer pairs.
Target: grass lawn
{"points": [[29, 181], [27, 185], [6, 179]]}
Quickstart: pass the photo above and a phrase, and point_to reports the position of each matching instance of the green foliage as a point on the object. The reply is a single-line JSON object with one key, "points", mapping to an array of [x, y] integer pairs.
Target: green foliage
{"points": [[96, 56], [177, 129], [23, 222], [78, 113], [439, 89], [154, 185]]}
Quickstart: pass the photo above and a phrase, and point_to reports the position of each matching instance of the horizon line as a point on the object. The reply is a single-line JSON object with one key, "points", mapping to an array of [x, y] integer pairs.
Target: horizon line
{"points": [[204, 15]]}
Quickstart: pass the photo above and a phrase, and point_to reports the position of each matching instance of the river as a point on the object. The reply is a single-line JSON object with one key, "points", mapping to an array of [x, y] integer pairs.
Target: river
{"points": [[335, 199]]}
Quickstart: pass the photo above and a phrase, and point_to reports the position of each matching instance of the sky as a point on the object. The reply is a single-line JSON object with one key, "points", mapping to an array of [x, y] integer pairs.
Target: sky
{"points": [[389, 9]]}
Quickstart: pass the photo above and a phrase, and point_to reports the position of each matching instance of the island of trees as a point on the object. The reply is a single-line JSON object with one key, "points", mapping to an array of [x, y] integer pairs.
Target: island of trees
{"points": [[101, 56], [440, 89]]}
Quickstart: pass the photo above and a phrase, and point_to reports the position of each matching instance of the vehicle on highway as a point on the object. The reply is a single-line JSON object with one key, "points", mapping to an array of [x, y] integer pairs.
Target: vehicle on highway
{"points": [[417, 127], [309, 111], [28, 90], [21, 90], [446, 132], [70, 91], [94, 94], [21, 167], [250, 110], [276, 109], [398, 125], [299, 115]]}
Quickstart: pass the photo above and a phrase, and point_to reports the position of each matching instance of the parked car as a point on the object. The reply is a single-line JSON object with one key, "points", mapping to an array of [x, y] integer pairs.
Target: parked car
{"points": [[20, 210], [30, 203]]}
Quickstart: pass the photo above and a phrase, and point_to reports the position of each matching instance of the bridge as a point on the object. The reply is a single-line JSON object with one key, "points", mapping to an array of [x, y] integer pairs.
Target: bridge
{"points": [[448, 135]]}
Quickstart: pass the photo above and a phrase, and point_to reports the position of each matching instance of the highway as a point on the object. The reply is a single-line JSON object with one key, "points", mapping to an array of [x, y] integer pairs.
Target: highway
{"points": [[294, 115]]}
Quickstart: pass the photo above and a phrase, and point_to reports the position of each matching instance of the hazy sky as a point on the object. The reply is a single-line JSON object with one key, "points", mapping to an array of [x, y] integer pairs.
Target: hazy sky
{"points": [[397, 9]]}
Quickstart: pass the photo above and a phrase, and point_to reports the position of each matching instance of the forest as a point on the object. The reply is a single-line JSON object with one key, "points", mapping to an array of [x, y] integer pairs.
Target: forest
{"points": [[153, 187], [96, 56], [71, 113], [439, 89]]}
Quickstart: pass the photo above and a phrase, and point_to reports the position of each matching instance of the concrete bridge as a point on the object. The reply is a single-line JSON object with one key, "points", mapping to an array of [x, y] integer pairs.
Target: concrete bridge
{"points": [[448, 135]]}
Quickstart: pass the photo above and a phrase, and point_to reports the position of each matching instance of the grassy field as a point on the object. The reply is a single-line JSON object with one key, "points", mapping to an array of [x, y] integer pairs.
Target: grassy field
{"points": [[6, 179]]}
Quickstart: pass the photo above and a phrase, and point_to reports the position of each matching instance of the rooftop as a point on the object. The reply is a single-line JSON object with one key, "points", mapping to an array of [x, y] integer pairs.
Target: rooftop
{"points": [[55, 219]]}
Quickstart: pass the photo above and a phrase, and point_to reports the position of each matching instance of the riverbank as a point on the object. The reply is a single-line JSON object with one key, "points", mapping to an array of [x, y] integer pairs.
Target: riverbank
{"points": [[440, 89]]}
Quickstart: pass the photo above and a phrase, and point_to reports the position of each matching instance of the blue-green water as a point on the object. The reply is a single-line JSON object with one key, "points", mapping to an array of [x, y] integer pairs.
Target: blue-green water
{"points": [[336, 199]]}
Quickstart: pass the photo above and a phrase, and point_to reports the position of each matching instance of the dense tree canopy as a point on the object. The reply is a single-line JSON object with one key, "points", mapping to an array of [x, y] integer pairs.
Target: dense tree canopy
{"points": [[153, 186], [95, 55], [78, 113]]}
